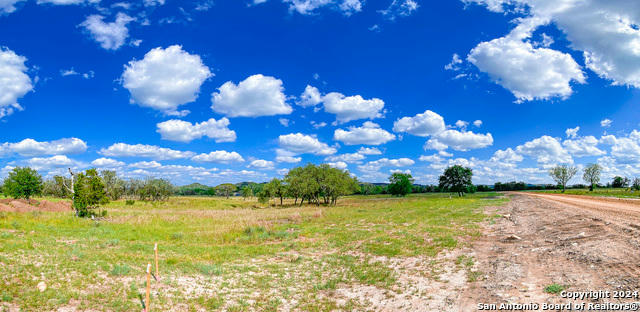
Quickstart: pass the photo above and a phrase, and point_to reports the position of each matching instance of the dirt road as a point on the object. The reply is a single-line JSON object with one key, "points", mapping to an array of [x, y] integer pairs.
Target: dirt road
{"points": [[587, 244]]}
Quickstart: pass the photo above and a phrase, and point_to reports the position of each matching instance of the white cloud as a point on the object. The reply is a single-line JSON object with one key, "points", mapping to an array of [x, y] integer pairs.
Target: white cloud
{"points": [[14, 81], [57, 161], [153, 2], [72, 72], [222, 157], [257, 95], [184, 131], [261, 164], [67, 2], [31, 147], [348, 108], [606, 123], [386, 162], [347, 158], [528, 72], [318, 125], [369, 151], [459, 140], [284, 122], [307, 7], [583, 146], [370, 134], [605, 31], [339, 165], [546, 150], [462, 124], [165, 79], [425, 124], [477, 123], [310, 97], [508, 156], [145, 164], [455, 63], [399, 8], [288, 159], [111, 36], [8, 6], [107, 163], [572, 133], [142, 150], [625, 150], [435, 158], [299, 143]]}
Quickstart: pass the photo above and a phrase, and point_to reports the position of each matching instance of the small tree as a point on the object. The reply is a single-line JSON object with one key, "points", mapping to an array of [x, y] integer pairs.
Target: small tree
{"points": [[592, 175], [619, 182], [456, 179], [89, 193], [247, 192], [23, 182], [276, 188], [114, 186], [562, 175], [400, 184], [636, 184], [226, 189]]}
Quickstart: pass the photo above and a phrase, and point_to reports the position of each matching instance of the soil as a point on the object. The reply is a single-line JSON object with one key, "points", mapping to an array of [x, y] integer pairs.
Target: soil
{"points": [[22, 205], [582, 243]]}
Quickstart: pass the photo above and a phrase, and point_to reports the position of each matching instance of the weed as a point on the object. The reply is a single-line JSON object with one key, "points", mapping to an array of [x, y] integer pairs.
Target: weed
{"points": [[554, 288]]}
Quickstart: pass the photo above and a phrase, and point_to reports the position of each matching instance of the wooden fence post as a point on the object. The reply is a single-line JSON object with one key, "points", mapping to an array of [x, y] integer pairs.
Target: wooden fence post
{"points": [[155, 249], [147, 302]]}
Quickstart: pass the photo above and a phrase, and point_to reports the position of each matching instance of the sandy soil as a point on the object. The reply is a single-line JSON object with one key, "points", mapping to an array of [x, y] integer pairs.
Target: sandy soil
{"points": [[21, 205], [584, 243]]}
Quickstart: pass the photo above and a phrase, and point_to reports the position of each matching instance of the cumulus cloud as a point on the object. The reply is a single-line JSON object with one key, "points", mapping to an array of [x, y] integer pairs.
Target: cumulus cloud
{"points": [[184, 131], [546, 150], [31, 147], [145, 151], [508, 156], [48, 163], [339, 165], [165, 79], [625, 150], [67, 2], [605, 31], [14, 81], [528, 72], [583, 146], [145, 164], [369, 151], [107, 163], [424, 124], [298, 143], [459, 140], [606, 123], [347, 158], [572, 133], [477, 123], [255, 96], [369, 134], [318, 125], [222, 157], [284, 122], [348, 108], [386, 162], [310, 97], [261, 164], [288, 159], [110, 36]]}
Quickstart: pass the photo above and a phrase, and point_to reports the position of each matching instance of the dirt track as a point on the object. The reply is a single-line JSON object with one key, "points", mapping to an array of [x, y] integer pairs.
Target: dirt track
{"points": [[588, 244]]}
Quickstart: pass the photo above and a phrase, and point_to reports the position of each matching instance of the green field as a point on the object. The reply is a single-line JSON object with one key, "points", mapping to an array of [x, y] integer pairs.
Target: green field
{"points": [[224, 253], [608, 192]]}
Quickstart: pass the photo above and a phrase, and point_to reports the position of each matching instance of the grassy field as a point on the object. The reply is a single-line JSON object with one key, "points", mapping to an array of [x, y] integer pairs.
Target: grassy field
{"points": [[609, 192], [225, 253]]}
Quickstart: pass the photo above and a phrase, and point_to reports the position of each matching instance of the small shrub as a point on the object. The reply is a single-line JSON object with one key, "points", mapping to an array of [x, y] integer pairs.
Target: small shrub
{"points": [[209, 269], [6, 297], [119, 270], [130, 202], [554, 289], [176, 236]]}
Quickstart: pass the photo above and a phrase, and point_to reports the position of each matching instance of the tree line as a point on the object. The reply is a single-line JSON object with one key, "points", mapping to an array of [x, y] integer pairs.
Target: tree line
{"points": [[591, 175]]}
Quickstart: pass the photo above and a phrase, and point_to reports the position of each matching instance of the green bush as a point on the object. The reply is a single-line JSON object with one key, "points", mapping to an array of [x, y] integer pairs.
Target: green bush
{"points": [[130, 202]]}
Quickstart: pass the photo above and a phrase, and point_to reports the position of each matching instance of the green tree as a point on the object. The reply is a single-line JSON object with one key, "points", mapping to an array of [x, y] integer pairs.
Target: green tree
{"points": [[226, 189], [619, 182], [23, 182], [636, 184], [154, 189], [562, 175], [592, 175], [456, 179], [400, 184], [276, 188], [89, 193], [247, 192], [114, 186]]}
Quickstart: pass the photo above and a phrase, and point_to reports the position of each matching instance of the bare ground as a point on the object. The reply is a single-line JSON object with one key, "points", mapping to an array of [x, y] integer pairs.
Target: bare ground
{"points": [[583, 243]]}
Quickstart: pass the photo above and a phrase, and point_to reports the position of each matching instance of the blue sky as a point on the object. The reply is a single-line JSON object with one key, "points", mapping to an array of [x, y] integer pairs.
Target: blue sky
{"points": [[231, 91]]}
